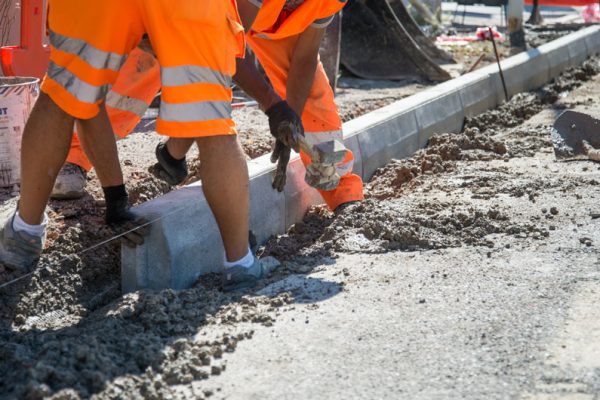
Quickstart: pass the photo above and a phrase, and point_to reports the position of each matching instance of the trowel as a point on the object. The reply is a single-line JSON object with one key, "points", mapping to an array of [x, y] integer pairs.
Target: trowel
{"points": [[576, 136]]}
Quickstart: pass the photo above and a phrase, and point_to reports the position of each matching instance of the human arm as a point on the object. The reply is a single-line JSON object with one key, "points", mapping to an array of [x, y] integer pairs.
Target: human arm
{"points": [[285, 125], [251, 81], [248, 12], [303, 67]]}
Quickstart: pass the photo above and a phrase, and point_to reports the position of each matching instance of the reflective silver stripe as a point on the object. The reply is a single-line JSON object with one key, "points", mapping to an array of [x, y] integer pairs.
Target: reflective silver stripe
{"points": [[83, 91], [98, 59], [189, 74], [322, 22], [126, 103], [313, 138], [193, 112], [257, 3]]}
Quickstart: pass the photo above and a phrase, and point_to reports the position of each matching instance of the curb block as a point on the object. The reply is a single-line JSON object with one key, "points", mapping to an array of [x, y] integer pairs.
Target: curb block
{"points": [[185, 242]]}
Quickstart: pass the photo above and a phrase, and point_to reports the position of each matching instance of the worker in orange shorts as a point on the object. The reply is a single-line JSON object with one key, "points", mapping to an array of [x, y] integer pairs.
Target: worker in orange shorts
{"points": [[285, 37], [196, 47]]}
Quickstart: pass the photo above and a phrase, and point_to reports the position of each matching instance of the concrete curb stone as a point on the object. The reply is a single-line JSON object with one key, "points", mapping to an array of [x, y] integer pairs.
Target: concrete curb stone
{"points": [[184, 241], [380, 142]]}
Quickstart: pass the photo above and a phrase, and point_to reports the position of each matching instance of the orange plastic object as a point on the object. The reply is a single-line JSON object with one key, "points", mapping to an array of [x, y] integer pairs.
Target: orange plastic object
{"points": [[31, 57]]}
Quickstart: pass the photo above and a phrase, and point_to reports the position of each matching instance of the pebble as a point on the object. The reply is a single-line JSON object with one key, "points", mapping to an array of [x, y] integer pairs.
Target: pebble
{"points": [[554, 211]]}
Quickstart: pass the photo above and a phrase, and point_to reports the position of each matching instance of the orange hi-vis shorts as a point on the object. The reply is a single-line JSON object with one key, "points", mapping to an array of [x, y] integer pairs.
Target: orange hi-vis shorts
{"points": [[131, 95], [196, 44]]}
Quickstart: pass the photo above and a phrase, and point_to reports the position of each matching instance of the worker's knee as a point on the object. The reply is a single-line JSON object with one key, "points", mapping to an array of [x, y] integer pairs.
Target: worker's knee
{"points": [[215, 147]]}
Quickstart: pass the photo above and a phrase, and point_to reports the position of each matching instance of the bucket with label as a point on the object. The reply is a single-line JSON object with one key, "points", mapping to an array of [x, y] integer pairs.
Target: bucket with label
{"points": [[17, 96]]}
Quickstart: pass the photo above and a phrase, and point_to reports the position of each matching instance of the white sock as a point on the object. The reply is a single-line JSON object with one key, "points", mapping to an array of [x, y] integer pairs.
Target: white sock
{"points": [[247, 261], [35, 230]]}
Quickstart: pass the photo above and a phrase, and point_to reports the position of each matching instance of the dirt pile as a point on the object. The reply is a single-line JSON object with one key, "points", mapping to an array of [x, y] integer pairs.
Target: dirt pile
{"points": [[538, 35], [524, 105], [67, 332], [388, 220], [439, 156], [141, 344]]}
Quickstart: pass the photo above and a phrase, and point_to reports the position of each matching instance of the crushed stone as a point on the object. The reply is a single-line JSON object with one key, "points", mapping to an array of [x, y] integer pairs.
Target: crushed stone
{"points": [[68, 333]]}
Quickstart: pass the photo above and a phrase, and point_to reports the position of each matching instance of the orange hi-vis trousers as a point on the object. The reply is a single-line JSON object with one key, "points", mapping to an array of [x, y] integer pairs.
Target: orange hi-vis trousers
{"points": [[136, 85], [320, 118], [196, 47]]}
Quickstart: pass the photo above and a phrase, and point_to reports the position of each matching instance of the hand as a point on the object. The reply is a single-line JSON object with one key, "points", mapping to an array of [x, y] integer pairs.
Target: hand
{"points": [[281, 156], [132, 226], [285, 125]]}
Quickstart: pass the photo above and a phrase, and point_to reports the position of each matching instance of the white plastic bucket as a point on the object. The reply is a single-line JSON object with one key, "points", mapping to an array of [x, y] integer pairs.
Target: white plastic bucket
{"points": [[17, 96]]}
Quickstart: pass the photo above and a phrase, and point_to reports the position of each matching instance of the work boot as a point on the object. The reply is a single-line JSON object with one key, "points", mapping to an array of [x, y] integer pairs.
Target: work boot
{"points": [[70, 183], [238, 277], [168, 168], [341, 209], [19, 250]]}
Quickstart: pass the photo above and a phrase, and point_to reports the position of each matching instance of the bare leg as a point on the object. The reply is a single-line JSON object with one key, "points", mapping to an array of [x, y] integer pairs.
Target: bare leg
{"points": [[178, 147], [46, 143], [98, 140], [225, 183]]}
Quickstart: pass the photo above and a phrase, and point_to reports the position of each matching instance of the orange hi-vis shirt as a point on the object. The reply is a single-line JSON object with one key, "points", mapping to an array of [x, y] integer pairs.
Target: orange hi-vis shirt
{"points": [[278, 19]]}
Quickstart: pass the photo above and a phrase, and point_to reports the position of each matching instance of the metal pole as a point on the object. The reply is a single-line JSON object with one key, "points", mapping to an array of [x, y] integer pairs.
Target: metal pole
{"points": [[515, 24], [476, 63], [498, 61]]}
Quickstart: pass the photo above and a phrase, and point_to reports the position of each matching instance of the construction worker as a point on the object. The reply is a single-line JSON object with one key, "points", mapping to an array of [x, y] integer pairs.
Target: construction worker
{"points": [[285, 37], [136, 86], [196, 47], [277, 51]]}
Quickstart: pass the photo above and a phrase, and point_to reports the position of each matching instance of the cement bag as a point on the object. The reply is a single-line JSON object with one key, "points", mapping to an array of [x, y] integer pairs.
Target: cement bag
{"points": [[17, 96]]}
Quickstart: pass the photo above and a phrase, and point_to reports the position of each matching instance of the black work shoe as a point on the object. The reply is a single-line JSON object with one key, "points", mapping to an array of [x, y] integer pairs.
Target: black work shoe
{"points": [[345, 206], [168, 169]]}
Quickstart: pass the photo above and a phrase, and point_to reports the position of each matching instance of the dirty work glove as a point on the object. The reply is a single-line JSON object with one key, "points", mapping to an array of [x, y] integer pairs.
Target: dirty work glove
{"points": [[285, 125], [281, 156], [120, 217]]}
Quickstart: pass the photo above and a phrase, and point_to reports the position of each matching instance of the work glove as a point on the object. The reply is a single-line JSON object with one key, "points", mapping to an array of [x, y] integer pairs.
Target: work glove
{"points": [[281, 156], [285, 125], [124, 221]]}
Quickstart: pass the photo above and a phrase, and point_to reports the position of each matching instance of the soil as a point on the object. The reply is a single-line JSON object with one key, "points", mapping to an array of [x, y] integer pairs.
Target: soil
{"points": [[66, 331]]}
